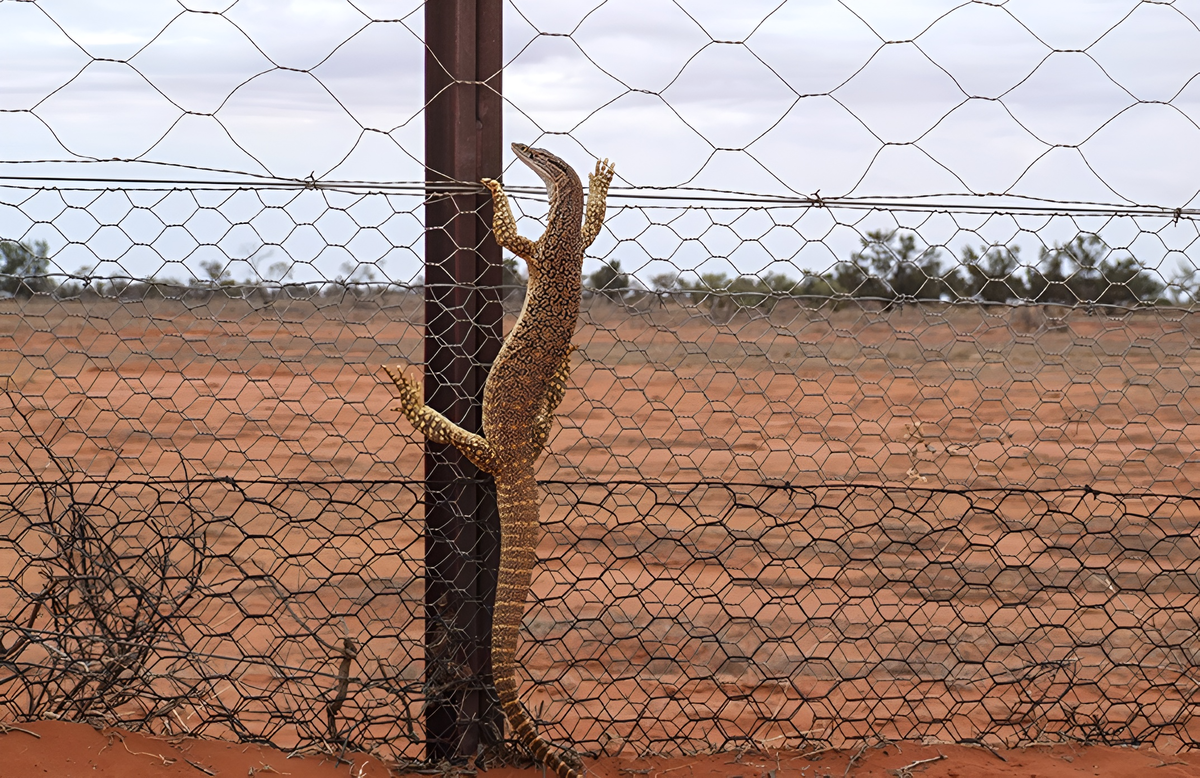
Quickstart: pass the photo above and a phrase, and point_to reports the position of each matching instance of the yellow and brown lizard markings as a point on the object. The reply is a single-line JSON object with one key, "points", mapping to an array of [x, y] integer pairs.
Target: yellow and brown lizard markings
{"points": [[523, 389]]}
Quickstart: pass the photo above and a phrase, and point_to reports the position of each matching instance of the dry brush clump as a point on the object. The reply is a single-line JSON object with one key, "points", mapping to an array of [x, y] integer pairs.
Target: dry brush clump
{"points": [[92, 599]]}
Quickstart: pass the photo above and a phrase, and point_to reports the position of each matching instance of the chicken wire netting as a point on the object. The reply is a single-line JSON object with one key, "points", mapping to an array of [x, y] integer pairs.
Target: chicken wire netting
{"points": [[883, 421]]}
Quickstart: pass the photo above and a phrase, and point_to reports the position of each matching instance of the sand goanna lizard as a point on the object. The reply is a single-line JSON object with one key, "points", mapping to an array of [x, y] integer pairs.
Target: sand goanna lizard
{"points": [[523, 388]]}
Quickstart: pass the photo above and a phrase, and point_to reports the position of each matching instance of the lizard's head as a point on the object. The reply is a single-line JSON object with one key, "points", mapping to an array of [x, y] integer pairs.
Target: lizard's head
{"points": [[549, 168]]}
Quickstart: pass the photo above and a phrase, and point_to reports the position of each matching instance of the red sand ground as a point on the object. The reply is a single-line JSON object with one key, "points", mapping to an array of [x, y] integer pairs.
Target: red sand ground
{"points": [[1097, 401], [68, 750], [940, 398]]}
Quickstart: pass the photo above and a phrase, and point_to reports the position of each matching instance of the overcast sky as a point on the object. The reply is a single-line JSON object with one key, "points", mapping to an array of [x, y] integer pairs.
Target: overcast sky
{"points": [[1092, 100]]}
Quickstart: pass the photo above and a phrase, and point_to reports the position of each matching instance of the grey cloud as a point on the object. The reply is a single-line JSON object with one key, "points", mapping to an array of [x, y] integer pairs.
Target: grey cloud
{"points": [[814, 93]]}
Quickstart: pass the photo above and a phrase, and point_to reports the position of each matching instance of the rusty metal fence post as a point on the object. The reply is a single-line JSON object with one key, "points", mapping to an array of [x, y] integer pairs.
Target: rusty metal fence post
{"points": [[463, 332]]}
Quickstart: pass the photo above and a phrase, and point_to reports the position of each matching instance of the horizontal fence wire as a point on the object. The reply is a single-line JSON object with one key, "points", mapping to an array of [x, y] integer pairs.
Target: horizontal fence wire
{"points": [[883, 419]]}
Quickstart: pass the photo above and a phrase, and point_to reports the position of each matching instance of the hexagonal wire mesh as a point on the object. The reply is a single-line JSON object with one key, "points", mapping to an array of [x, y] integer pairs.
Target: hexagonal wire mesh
{"points": [[831, 465]]}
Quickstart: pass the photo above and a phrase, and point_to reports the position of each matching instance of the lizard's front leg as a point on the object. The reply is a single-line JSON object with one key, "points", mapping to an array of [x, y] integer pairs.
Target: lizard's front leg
{"points": [[597, 200], [436, 427], [504, 226]]}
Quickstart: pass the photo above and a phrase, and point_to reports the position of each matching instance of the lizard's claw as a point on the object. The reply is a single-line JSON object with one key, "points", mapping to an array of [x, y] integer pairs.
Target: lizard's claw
{"points": [[604, 172], [491, 184], [410, 390]]}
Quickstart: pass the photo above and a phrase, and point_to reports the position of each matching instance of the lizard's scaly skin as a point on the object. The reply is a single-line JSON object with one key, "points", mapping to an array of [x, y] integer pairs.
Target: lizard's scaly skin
{"points": [[525, 385]]}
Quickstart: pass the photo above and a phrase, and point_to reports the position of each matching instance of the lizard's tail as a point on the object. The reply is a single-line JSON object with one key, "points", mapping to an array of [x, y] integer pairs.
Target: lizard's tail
{"points": [[506, 688], [518, 505]]}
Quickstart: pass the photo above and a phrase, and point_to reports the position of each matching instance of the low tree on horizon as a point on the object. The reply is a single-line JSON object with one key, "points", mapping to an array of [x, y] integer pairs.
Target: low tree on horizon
{"points": [[1084, 270], [25, 268], [993, 275], [610, 281], [890, 266]]}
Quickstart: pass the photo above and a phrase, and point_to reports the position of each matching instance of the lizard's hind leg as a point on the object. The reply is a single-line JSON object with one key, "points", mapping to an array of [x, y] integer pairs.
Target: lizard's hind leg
{"points": [[554, 396], [436, 427]]}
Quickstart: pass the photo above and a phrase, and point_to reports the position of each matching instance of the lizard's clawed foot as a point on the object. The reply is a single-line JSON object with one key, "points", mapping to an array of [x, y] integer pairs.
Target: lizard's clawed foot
{"points": [[410, 391], [491, 184], [604, 172]]}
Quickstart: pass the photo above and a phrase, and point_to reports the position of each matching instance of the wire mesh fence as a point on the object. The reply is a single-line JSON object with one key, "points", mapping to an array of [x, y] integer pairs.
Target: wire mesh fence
{"points": [[696, 616], [884, 420]]}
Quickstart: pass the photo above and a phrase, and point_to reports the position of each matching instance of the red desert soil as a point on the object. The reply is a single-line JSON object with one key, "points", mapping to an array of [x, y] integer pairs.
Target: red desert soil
{"points": [[68, 750]]}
